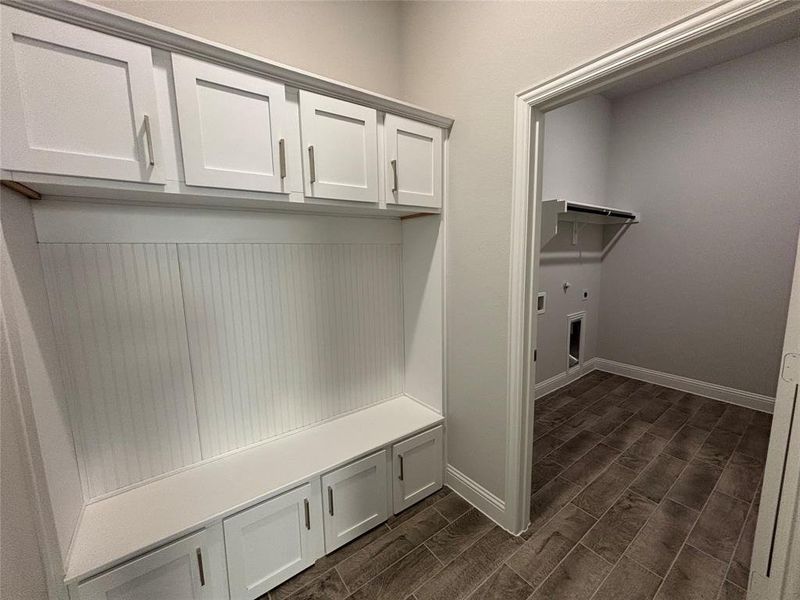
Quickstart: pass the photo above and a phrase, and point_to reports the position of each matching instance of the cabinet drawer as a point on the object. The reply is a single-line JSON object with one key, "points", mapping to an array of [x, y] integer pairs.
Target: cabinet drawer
{"points": [[77, 102], [273, 541], [355, 499], [417, 468]]}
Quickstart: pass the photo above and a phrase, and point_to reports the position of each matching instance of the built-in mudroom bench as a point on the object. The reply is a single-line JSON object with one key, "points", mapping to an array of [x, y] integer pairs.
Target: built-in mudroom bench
{"points": [[250, 520], [232, 275]]}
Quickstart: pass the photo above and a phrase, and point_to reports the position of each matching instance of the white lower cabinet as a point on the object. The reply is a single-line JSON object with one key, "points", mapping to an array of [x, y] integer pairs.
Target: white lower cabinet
{"points": [[192, 568], [273, 541], [355, 499], [417, 468]]}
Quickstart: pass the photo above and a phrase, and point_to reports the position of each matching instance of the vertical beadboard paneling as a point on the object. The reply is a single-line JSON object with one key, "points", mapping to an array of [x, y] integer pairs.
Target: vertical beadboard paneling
{"points": [[118, 314], [282, 336]]}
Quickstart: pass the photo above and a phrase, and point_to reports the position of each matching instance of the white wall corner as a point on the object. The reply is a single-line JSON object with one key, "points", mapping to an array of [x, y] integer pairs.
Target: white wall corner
{"points": [[685, 384], [477, 495]]}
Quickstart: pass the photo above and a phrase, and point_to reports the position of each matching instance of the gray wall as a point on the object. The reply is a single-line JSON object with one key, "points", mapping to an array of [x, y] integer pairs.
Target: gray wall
{"points": [[354, 42], [576, 140], [701, 287]]}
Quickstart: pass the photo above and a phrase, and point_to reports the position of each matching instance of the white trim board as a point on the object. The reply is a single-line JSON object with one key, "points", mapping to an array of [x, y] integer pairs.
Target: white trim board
{"points": [[685, 384], [556, 382], [477, 495]]}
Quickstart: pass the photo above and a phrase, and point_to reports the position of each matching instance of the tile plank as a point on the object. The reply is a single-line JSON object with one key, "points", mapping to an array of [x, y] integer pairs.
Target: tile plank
{"points": [[543, 472], [654, 482], [695, 484], [452, 506], [459, 535], [708, 415], [686, 442], [669, 423], [590, 465], [741, 477], [717, 530], [548, 501], [639, 455], [504, 584], [626, 434], [660, 540], [598, 496], [694, 576], [575, 448], [537, 558], [618, 527], [576, 578], [464, 574], [395, 582], [718, 447], [630, 581], [739, 571]]}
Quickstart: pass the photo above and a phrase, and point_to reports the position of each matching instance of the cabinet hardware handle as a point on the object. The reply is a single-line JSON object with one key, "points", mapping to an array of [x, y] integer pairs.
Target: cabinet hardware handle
{"points": [[394, 171], [149, 137], [780, 489], [312, 168], [402, 472], [330, 500], [200, 567], [282, 157], [308, 515]]}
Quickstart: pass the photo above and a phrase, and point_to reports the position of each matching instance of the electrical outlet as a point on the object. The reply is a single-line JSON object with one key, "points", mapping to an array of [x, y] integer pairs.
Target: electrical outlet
{"points": [[585, 295]]}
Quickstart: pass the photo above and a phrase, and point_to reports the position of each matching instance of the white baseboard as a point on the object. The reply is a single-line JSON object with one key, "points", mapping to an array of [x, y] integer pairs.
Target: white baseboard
{"points": [[558, 381], [684, 384], [477, 495]]}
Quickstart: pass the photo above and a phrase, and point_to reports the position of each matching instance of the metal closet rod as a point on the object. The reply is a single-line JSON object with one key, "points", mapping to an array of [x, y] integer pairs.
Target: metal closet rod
{"points": [[601, 211]]}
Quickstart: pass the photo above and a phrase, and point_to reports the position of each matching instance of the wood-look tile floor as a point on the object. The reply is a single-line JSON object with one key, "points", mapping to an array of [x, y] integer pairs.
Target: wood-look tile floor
{"points": [[639, 492]]}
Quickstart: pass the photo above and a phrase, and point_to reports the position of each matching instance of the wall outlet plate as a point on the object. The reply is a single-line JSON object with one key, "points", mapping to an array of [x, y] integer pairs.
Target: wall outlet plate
{"points": [[585, 295]]}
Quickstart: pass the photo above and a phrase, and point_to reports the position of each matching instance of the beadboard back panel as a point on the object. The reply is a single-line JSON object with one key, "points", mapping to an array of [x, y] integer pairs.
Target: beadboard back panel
{"points": [[283, 336], [175, 353], [118, 314]]}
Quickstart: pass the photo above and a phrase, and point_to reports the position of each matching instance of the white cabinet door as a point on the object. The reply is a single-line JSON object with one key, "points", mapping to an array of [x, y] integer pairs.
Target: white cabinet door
{"points": [[417, 468], [77, 102], [192, 568], [232, 127], [340, 142], [355, 499], [414, 163], [273, 541]]}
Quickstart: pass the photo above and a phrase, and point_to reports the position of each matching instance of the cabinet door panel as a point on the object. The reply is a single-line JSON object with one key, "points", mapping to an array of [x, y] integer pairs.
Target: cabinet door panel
{"points": [[417, 468], [414, 163], [272, 541], [231, 126], [77, 102], [355, 500], [188, 569], [340, 142]]}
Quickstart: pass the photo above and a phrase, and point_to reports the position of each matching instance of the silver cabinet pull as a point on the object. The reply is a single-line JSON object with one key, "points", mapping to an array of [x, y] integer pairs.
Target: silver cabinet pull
{"points": [[330, 500], [308, 515], [149, 137], [200, 567], [402, 471], [394, 171], [282, 157], [312, 168]]}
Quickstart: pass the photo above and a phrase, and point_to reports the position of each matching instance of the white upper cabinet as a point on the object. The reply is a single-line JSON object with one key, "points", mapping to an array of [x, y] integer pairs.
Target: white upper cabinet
{"points": [[191, 568], [355, 500], [77, 102], [233, 127], [417, 468], [273, 541], [414, 163], [340, 145]]}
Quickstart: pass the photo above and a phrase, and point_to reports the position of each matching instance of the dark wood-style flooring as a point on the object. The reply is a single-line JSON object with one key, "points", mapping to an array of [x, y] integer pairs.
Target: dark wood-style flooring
{"points": [[639, 492]]}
